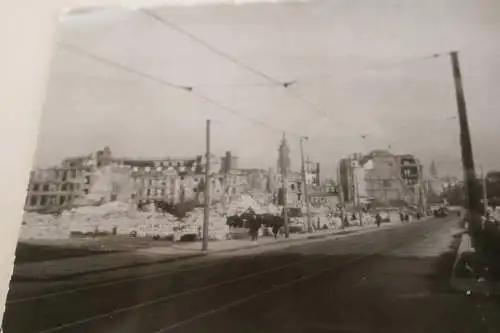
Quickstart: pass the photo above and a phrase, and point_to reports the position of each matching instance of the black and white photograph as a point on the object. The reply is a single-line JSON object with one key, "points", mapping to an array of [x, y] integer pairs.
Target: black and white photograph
{"points": [[292, 166]]}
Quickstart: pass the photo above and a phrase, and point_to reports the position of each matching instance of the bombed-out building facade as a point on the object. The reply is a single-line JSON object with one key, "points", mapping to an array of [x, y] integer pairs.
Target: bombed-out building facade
{"points": [[171, 179]]}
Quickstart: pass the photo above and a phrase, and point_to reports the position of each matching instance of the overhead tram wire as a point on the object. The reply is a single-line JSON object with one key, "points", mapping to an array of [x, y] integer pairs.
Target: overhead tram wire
{"points": [[253, 120], [168, 84], [234, 60], [233, 85], [371, 68], [125, 68], [394, 64], [284, 84], [174, 27], [192, 88]]}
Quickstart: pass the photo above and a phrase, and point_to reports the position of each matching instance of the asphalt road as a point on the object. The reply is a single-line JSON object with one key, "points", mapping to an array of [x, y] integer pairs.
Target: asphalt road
{"points": [[357, 284]]}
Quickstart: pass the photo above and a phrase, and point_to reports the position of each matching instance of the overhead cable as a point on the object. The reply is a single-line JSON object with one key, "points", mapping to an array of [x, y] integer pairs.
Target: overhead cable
{"points": [[370, 68], [207, 45], [234, 60], [168, 84]]}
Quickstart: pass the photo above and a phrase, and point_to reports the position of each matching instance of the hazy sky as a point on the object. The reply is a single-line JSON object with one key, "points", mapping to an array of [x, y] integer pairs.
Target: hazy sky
{"points": [[363, 63]]}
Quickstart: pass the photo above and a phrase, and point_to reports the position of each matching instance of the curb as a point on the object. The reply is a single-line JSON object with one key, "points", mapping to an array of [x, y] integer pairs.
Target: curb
{"points": [[470, 285], [63, 277], [473, 286]]}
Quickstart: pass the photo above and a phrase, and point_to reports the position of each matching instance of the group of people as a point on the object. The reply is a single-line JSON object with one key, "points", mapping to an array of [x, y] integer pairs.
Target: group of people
{"points": [[490, 217], [404, 216], [254, 222]]}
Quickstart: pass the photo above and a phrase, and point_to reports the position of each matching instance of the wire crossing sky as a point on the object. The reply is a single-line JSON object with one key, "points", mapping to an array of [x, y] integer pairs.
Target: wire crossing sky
{"points": [[353, 76]]}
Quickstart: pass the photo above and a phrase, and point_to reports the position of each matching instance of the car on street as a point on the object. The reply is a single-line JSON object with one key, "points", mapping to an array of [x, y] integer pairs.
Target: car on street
{"points": [[441, 212]]}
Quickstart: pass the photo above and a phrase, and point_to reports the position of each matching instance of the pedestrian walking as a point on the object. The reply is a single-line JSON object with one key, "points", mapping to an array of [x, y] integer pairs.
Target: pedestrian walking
{"points": [[345, 221], [277, 225], [255, 224], [378, 219]]}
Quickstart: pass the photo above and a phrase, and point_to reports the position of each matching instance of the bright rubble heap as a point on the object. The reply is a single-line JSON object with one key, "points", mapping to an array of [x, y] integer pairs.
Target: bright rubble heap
{"points": [[39, 226], [218, 228], [122, 216], [87, 219]]}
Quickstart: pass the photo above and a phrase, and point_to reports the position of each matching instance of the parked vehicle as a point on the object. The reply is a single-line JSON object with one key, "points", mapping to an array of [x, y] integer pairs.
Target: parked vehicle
{"points": [[441, 212]]}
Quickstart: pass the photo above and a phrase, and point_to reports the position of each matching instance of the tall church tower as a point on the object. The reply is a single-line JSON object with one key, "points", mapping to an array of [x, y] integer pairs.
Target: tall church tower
{"points": [[284, 156], [433, 170]]}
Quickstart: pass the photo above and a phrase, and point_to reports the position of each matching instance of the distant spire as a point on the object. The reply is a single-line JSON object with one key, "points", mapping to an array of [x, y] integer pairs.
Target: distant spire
{"points": [[284, 155], [433, 170]]}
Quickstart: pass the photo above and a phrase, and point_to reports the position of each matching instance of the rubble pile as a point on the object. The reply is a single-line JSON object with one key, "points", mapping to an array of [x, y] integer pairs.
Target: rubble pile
{"points": [[368, 219], [123, 217], [39, 226], [242, 203], [113, 216], [273, 209], [217, 229], [394, 216]]}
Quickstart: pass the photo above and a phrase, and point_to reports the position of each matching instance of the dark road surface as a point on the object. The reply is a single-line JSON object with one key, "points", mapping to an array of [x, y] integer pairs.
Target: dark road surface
{"points": [[353, 284]]}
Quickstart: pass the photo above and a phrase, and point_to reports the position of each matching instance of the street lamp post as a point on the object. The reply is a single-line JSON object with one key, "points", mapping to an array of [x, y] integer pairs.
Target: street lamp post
{"points": [[304, 181]]}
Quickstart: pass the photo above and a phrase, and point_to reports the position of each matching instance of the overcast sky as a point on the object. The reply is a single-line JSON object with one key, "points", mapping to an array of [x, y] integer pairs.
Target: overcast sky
{"points": [[365, 64]]}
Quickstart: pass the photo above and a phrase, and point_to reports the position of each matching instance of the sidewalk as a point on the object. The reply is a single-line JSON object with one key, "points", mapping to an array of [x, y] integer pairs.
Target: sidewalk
{"points": [[471, 282], [74, 267]]}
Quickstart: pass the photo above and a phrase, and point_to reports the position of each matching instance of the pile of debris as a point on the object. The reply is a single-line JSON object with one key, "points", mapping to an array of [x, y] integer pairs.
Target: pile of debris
{"points": [[40, 226], [123, 217], [113, 217], [218, 228], [110, 218]]}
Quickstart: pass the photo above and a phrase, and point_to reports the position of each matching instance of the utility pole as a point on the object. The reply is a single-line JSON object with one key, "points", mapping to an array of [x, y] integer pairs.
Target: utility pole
{"points": [[304, 181], [356, 188], [485, 193], [421, 199], [283, 163], [473, 201], [340, 190], [349, 182], [285, 204], [206, 216], [226, 167], [341, 197]]}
